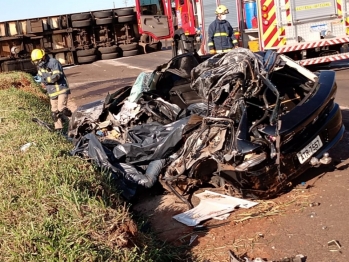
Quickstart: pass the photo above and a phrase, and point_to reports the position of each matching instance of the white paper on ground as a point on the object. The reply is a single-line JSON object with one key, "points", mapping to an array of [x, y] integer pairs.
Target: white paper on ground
{"points": [[212, 205]]}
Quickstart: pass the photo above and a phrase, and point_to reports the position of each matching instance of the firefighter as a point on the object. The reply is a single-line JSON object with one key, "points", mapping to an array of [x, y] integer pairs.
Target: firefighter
{"points": [[54, 81], [221, 37]]}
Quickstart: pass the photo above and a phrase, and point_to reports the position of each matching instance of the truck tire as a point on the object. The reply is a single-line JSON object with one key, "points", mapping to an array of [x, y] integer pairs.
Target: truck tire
{"points": [[82, 23], [123, 12], [129, 47], [126, 19], [103, 14], [86, 52], [104, 21], [79, 17], [110, 56], [87, 59], [108, 50], [130, 53], [153, 47]]}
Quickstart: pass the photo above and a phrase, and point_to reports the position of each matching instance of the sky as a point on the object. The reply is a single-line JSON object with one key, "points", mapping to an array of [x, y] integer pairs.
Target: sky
{"points": [[23, 9]]}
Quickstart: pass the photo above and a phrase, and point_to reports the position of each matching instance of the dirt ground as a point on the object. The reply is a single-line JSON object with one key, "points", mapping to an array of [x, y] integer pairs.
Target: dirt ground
{"points": [[285, 226]]}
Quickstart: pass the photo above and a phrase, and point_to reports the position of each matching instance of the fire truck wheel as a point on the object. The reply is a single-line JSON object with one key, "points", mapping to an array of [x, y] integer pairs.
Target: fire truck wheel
{"points": [[129, 47], [110, 56], [126, 19], [130, 53], [82, 23], [86, 52], [104, 21], [87, 59], [103, 14], [108, 50], [123, 12], [79, 17]]}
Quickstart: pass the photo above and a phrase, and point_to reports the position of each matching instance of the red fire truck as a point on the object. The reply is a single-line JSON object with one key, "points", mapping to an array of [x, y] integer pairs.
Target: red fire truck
{"points": [[311, 32]]}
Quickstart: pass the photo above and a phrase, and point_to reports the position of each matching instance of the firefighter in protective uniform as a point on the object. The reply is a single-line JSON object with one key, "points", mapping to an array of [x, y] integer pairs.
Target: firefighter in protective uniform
{"points": [[221, 37], [53, 79]]}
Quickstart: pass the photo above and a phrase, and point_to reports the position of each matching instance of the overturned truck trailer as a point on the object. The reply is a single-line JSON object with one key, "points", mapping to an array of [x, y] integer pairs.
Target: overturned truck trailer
{"points": [[72, 38], [247, 122]]}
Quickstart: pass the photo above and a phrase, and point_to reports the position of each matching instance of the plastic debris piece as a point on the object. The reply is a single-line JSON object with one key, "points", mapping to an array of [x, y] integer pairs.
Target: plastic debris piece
{"points": [[312, 214], [314, 204], [333, 245], [222, 217], [26, 146], [212, 205]]}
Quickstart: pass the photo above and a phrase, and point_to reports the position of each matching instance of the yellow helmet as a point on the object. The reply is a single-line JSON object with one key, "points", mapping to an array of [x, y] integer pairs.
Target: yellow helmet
{"points": [[37, 55], [222, 9]]}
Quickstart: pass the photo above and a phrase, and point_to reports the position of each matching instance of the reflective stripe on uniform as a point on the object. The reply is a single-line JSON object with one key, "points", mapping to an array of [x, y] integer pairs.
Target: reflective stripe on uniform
{"points": [[56, 72], [58, 92], [221, 34], [223, 51], [235, 41], [210, 44], [48, 79]]}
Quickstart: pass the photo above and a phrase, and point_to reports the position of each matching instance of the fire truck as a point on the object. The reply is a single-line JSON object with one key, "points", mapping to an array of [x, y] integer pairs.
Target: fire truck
{"points": [[310, 32]]}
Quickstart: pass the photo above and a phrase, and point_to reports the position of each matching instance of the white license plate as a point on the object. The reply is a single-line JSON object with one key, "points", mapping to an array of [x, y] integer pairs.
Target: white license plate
{"points": [[309, 150]]}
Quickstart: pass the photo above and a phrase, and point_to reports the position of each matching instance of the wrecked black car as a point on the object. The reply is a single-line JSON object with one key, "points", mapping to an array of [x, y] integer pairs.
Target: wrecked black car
{"points": [[247, 122]]}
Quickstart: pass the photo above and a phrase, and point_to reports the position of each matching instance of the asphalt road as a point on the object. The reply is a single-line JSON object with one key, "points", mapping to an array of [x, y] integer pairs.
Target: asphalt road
{"points": [[298, 232]]}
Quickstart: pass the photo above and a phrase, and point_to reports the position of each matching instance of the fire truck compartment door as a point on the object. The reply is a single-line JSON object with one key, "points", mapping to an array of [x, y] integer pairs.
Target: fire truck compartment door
{"points": [[310, 9], [156, 26]]}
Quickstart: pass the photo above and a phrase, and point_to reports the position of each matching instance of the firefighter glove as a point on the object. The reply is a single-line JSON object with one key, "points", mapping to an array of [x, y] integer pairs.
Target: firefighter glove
{"points": [[212, 51]]}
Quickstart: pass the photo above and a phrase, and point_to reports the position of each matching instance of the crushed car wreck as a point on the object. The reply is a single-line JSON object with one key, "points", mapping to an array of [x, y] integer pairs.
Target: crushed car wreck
{"points": [[247, 122]]}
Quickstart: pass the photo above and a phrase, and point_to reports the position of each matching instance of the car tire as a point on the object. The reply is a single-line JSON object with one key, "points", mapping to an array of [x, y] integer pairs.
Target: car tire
{"points": [[79, 17], [108, 50], [130, 53], [86, 52], [82, 23], [109, 56], [126, 19], [123, 12], [104, 21], [103, 14], [129, 47], [87, 59]]}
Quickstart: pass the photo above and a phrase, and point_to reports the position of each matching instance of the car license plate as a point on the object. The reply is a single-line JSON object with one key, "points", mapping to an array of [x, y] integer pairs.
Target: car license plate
{"points": [[309, 150]]}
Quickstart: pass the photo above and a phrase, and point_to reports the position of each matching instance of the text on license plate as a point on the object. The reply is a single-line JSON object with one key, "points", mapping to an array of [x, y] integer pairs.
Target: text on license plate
{"points": [[309, 150]]}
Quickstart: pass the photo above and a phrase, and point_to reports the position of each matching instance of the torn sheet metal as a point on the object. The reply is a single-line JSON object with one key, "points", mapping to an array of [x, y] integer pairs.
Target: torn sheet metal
{"points": [[212, 205]]}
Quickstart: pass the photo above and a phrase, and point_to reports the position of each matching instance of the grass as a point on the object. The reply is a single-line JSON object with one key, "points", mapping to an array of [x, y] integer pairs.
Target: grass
{"points": [[55, 207]]}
